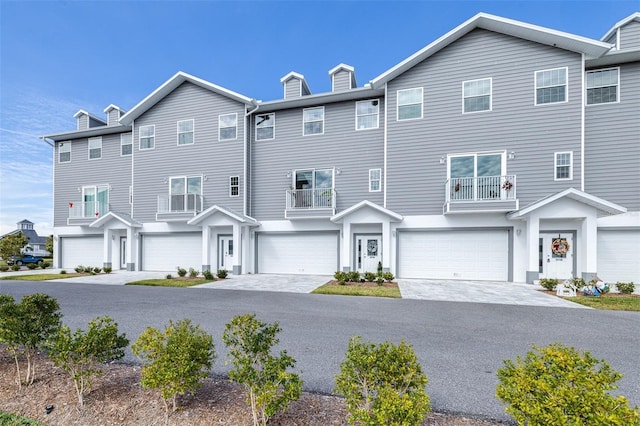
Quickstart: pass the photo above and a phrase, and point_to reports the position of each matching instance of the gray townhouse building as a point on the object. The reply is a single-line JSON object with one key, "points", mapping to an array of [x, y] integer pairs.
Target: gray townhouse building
{"points": [[501, 151]]}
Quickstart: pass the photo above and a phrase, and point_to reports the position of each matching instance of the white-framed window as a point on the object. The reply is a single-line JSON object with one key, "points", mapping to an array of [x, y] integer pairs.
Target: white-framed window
{"points": [[476, 95], [234, 186], [64, 152], [185, 193], [374, 180], [95, 148], [227, 126], [563, 165], [265, 126], [551, 86], [477, 176], [126, 144], [313, 188], [603, 86], [410, 103], [367, 113], [313, 121], [95, 200], [185, 132], [147, 135]]}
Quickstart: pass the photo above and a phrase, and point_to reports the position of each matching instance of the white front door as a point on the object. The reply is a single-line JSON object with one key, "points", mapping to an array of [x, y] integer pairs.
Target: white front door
{"points": [[226, 253], [368, 253], [556, 255], [123, 253]]}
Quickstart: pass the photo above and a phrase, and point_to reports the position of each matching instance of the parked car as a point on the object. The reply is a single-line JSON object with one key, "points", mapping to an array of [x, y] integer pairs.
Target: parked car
{"points": [[24, 259]]}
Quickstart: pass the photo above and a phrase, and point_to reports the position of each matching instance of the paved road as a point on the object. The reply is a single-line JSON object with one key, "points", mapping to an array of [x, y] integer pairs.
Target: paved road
{"points": [[460, 345]]}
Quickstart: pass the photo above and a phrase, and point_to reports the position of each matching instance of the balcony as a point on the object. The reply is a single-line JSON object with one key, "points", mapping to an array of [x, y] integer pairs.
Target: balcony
{"points": [[178, 207], [85, 212], [480, 194], [310, 203]]}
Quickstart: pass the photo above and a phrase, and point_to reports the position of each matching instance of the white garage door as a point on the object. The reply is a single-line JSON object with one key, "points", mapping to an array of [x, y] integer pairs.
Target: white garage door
{"points": [[297, 253], [86, 251], [167, 252], [619, 256], [459, 255]]}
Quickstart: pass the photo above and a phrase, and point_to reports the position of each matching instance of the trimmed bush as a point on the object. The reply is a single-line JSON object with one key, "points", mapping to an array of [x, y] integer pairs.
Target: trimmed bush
{"points": [[341, 277], [353, 276], [169, 277], [4, 268], [222, 273], [626, 288], [63, 272], [380, 281], [549, 283], [556, 385], [388, 276], [107, 269], [383, 384], [79, 269], [207, 275], [176, 361], [181, 272], [370, 276], [97, 270], [193, 273], [31, 266], [15, 267], [45, 264], [577, 283]]}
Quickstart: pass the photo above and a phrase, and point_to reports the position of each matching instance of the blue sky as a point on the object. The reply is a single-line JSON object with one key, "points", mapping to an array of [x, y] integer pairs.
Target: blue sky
{"points": [[58, 57]]}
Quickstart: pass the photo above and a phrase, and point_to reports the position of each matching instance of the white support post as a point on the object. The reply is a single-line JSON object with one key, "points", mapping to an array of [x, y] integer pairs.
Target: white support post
{"points": [[106, 248], [589, 247], [386, 246], [533, 238], [237, 249], [131, 249], [346, 245], [206, 248]]}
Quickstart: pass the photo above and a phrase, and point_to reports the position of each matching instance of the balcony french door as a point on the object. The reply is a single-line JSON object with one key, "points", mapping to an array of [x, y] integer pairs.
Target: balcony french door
{"points": [[476, 176], [185, 194], [313, 189], [95, 201]]}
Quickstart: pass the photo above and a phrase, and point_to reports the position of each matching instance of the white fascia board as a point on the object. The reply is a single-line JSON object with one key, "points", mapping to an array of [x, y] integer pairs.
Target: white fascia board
{"points": [[217, 209], [290, 75], [583, 197], [81, 112], [112, 106], [93, 131], [320, 99], [625, 21], [366, 204], [615, 57], [341, 67]]}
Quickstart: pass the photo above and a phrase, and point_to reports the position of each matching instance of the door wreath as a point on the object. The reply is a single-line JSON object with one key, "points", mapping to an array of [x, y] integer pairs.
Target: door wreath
{"points": [[560, 246]]}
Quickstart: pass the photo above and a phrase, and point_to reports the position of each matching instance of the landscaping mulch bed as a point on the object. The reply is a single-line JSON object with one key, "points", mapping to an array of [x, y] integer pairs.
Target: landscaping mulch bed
{"points": [[392, 284]]}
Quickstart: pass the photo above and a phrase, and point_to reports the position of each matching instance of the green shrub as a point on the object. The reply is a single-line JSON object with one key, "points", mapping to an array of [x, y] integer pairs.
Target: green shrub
{"points": [[626, 288], [81, 353], [353, 276], [264, 377], [383, 384], [556, 385], [207, 275], [193, 273], [107, 269], [88, 269], [181, 271], [388, 276], [338, 274], [79, 269], [45, 264], [577, 283], [341, 276], [15, 267], [176, 361], [369, 276], [63, 272], [4, 268], [380, 281], [379, 268], [169, 277], [222, 273], [97, 270], [549, 283], [26, 326], [31, 266]]}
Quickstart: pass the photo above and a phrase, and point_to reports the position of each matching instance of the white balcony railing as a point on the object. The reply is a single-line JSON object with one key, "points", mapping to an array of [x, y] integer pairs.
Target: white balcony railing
{"points": [[324, 198], [87, 209], [485, 188], [185, 203]]}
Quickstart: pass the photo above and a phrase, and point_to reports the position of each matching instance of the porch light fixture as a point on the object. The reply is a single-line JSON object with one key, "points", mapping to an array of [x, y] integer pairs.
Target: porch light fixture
{"points": [[511, 155], [288, 173], [165, 180], [338, 171], [443, 160]]}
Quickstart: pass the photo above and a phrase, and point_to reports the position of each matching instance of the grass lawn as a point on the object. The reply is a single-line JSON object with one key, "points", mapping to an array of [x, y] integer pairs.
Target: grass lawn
{"points": [[171, 282], [607, 302], [40, 277], [8, 419], [351, 289]]}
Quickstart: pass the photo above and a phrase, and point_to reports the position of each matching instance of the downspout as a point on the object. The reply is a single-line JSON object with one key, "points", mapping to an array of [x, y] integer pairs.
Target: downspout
{"points": [[247, 176], [386, 115], [133, 131], [582, 117]]}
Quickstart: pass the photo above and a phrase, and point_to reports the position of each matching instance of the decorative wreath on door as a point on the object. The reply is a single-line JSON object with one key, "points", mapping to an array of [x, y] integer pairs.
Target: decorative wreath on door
{"points": [[560, 246]]}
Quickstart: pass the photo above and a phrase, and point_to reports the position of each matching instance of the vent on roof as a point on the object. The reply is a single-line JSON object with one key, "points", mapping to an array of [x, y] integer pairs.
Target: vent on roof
{"points": [[113, 115], [295, 85], [343, 77]]}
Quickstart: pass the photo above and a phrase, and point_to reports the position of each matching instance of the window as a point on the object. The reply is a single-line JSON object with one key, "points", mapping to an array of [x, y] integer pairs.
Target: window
{"points": [[64, 152], [95, 148], [185, 193], [476, 95], [476, 176], [185, 132], [147, 137], [551, 86], [227, 126], [367, 113], [234, 186], [95, 200], [563, 165], [126, 144], [374, 180], [265, 127], [313, 188], [313, 121], [602, 86], [410, 103]]}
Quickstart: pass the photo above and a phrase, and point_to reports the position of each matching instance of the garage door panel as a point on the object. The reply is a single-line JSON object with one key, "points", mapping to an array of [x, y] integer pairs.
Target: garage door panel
{"points": [[618, 253], [297, 254], [477, 255], [166, 252], [87, 251]]}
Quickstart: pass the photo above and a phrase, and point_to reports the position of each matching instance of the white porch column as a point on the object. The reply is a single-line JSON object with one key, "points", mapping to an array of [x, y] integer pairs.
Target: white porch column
{"points": [[346, 246], [106, 248], [56, 252], [589, 247], [237, 249], [386, 246], [131, 249], [533, 238], [206, 248]]}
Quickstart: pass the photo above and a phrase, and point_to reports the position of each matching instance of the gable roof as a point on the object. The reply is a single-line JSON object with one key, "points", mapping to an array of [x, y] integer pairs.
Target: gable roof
{"points": [[112, 106], [120, 217], [591, 48], [395, 217], [238, 217], [633, 17], [83, 112], [574, 194], [298, 76], [169, 86]]}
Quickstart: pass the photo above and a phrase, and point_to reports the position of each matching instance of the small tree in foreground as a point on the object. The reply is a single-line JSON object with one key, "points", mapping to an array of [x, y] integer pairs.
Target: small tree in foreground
{"points": [[26, 326], [383, 384], [269, 386], [558, 386], [11, 245], [176, 361], [81, 353]]}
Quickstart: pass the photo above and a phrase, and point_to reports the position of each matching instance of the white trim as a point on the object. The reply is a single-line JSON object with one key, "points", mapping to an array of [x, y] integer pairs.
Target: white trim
{"points": [[617, 25], [394, 217], [153, 135], [89, 141], [582, 120], [213, 209], [379, 180], [566, 86], [377, 114], [231, 185], [490, 94], [304, 133], [586, 86], [398, 104], [555, 165], [192, 131], [60, 145], [235, 137], [273, 115], [124, 144]]}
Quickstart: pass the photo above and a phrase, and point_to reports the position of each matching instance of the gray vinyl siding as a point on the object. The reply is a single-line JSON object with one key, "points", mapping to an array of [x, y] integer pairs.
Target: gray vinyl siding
{"points": [[341, 146], [112, 117], [612, 38], [217, 160], [292, 88], [83, 122], [416, 180], [342, 81], [111, 169], [612, 148], [630, 36]]}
